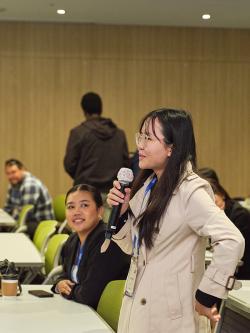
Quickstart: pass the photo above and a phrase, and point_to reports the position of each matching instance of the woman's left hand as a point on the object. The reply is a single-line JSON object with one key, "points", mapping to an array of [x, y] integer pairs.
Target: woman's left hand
{"points": [[210, 313]]}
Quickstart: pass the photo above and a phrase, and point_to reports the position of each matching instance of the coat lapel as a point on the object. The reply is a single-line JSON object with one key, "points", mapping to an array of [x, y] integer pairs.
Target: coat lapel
{"points": [[138, 203], [72, 253]]}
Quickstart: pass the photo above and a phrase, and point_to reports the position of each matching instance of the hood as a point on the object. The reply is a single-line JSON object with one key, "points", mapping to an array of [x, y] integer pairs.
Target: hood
{"points": [[103, 128]]}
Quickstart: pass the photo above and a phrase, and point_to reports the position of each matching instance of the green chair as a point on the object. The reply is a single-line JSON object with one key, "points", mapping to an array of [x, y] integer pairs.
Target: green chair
{"points": [[110, 302], [22, 219], [42, 234], [53, 255], [59, 207]]}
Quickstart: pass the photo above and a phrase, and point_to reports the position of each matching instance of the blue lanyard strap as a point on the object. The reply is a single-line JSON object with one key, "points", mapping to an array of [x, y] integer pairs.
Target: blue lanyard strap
{"points": [[79, 255], [135, 246], [150, 185]]}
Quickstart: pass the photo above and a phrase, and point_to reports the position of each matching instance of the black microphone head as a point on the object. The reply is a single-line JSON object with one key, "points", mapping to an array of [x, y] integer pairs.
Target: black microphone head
{"points": [[125, 176]]}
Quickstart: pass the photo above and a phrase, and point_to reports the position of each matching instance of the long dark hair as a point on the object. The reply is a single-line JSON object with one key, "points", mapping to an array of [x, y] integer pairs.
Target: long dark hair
{"points": [[177, 129], [96, 195]]}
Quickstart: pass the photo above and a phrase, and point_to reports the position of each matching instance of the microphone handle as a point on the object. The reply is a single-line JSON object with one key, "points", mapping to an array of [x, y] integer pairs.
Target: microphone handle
{"points": [[114, 215]]}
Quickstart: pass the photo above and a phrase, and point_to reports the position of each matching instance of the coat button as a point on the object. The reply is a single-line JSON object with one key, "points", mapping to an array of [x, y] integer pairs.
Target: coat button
{"points": [[143, 301]]}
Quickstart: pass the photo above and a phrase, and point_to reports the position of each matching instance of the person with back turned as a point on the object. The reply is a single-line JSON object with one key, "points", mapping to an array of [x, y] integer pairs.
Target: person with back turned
{"points": [[96, 148]]}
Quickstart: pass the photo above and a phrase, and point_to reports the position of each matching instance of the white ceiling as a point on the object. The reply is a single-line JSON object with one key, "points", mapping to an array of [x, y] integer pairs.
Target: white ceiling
{"points": [[224, 13]]}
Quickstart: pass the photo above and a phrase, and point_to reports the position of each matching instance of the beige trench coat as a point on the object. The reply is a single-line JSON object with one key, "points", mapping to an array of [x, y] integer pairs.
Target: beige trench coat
{"points": [[170, 273]]}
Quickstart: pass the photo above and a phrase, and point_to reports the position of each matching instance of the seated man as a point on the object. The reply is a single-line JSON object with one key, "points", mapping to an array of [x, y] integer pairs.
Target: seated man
{"points": [[26, 189]]}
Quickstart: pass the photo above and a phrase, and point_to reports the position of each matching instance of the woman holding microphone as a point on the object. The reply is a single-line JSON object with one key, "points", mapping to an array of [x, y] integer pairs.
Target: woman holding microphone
{"points": [[167, 216]]}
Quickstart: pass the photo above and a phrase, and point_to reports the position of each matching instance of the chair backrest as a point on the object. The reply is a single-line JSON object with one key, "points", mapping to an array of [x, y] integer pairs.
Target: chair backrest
{"points": [[59, 207], [53, 251], [110, 302], [22, 219], [42, 234]]}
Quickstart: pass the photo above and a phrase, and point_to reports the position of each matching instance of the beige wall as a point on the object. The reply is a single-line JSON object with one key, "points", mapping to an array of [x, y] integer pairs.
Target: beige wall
{"points": [[45, 68]]}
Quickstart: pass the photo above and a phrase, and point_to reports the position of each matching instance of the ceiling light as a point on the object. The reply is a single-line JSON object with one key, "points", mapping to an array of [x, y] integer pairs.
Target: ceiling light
{"points": [[61, 11], [206, 16]]}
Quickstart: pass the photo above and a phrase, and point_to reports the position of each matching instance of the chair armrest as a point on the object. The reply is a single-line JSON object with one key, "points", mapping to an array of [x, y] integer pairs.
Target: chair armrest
{"points": [[20, 229], [53, 274]]}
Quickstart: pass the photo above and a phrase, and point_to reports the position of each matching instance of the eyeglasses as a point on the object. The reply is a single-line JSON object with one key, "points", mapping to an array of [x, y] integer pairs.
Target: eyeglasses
{"points": [[142, 139]]}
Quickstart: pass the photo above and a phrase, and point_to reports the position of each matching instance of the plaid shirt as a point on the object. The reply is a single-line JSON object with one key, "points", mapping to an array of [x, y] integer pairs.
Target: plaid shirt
{"points": [[29, 191]]}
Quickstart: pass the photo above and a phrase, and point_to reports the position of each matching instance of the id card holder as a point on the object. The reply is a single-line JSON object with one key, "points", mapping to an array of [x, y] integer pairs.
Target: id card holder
{"points": [[130, 284]]}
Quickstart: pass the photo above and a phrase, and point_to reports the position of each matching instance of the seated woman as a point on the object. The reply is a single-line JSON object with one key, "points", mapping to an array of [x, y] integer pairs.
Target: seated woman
{"points": [[86, 270], [239, 215]]}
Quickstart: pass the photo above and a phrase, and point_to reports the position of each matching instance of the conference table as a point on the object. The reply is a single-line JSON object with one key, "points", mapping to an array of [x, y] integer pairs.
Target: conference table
{"points": [[30, 314], [6, 220], [17, 247]]}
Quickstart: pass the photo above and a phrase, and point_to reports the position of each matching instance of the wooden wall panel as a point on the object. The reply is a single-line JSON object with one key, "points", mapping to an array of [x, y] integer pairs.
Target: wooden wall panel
{"points": [[45, 68]]}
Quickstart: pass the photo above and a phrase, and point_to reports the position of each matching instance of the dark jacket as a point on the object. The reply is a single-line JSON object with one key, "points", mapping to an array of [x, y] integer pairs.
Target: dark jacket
{"points": [[96, 269], [240, 216], [95, 152]]}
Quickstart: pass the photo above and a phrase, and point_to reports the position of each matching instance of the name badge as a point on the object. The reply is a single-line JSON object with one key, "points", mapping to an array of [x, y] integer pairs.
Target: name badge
{"points": [[130, 284]]}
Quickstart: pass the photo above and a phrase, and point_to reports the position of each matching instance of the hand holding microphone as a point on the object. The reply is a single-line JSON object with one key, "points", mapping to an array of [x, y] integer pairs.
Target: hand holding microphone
{"points": [[118, 197]]}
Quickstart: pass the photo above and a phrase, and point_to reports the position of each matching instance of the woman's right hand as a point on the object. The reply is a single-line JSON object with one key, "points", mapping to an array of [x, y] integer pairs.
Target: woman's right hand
{"points": [[115, 197], [65, 286], [211, 313]]}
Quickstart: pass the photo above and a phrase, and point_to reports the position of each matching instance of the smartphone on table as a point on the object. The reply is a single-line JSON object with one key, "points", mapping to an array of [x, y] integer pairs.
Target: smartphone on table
{"points": [[40, 293]]}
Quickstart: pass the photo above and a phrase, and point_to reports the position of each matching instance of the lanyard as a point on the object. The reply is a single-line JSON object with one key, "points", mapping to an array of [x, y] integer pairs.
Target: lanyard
{"points": [[147, 192], [135, 246], [79, 255], [150, 186], [75, 267]]}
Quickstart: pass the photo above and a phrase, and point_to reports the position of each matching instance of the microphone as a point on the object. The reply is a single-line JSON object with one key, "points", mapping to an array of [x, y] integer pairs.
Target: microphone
{"points": [[125, 177]]}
